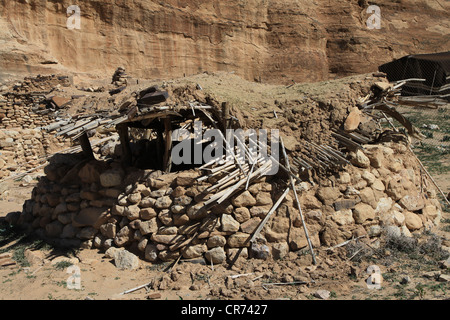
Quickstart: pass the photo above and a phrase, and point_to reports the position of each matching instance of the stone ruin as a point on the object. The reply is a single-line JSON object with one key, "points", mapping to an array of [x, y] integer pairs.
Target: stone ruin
{"points": [[156, 214]]}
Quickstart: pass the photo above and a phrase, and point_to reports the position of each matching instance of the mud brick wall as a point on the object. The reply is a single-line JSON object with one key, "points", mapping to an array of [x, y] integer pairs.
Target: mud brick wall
{"points": [[156, 215]]}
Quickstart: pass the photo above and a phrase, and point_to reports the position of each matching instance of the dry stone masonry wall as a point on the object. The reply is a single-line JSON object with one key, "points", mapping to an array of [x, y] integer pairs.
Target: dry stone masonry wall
{"points": [[23, 110], [156, 215]]}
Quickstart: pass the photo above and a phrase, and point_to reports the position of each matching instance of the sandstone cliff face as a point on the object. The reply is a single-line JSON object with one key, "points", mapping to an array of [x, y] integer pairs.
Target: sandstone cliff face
{"points": [[275, 41]]}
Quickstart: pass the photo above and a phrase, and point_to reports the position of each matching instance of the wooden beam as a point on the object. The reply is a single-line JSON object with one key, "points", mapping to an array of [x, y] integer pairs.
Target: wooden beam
{"points": [[86, 146], [288, 166], [225, 116], [266, 218], [122, 129], [167, 161]]}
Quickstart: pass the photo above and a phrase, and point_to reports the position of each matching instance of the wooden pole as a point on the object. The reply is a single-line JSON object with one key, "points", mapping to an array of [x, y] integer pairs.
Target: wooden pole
{"points": [[225, 116], [266, 218], [86, 146], [298, 202], [167, 161], [122, 129]]}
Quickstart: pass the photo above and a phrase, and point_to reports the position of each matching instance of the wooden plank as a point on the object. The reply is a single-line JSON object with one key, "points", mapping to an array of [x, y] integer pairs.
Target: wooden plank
{"points": [[70, 127], [5, 262], [266, 218], [86, 146], [167, 160], [225, 116], [153, 115], [152, 98], [122, 129], [298, 202]]}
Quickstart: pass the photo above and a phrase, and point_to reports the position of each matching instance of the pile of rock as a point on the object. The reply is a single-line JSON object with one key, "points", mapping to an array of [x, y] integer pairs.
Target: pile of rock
{"points": [[119, 77], [159, 216], [41, 84]]}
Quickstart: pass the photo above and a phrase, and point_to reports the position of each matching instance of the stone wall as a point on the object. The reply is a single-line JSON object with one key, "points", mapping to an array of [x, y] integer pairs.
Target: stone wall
{"points": [[157, 216], [24, 108]]}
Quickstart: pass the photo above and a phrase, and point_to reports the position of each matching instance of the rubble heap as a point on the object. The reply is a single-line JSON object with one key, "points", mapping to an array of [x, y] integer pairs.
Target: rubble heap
{"points": [[120, 77]]}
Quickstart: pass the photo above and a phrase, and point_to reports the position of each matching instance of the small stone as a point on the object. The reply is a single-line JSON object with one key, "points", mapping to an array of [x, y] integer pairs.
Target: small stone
{"points": [[378, 185], [149, 226], [92, 217], [147, 202], [194, 251], [245, 199], [405, 280], [280, 250], [229, 224], [359, 159], [238, 240], [166, 217], [147, 213], [216, 241], [126, 260], [369, 177], [328, 195], [178, 209], [134, 198], [374, 231], [151, 253], [110, 178], [124, 236], [242, 214], [412, 221], [154, 296], [259, 251], [186, 178], [216, 255], [263, 199], [163, 202], [232, 253], [132, 212], [444, 278], [182, 201], [343, 217], [54, 229], [322, 294], [430, 211], [445, 264], [413, 202], [111, 252], [353, 120], [142, 244], [363, 212], [250, 225], [344, 178]]}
